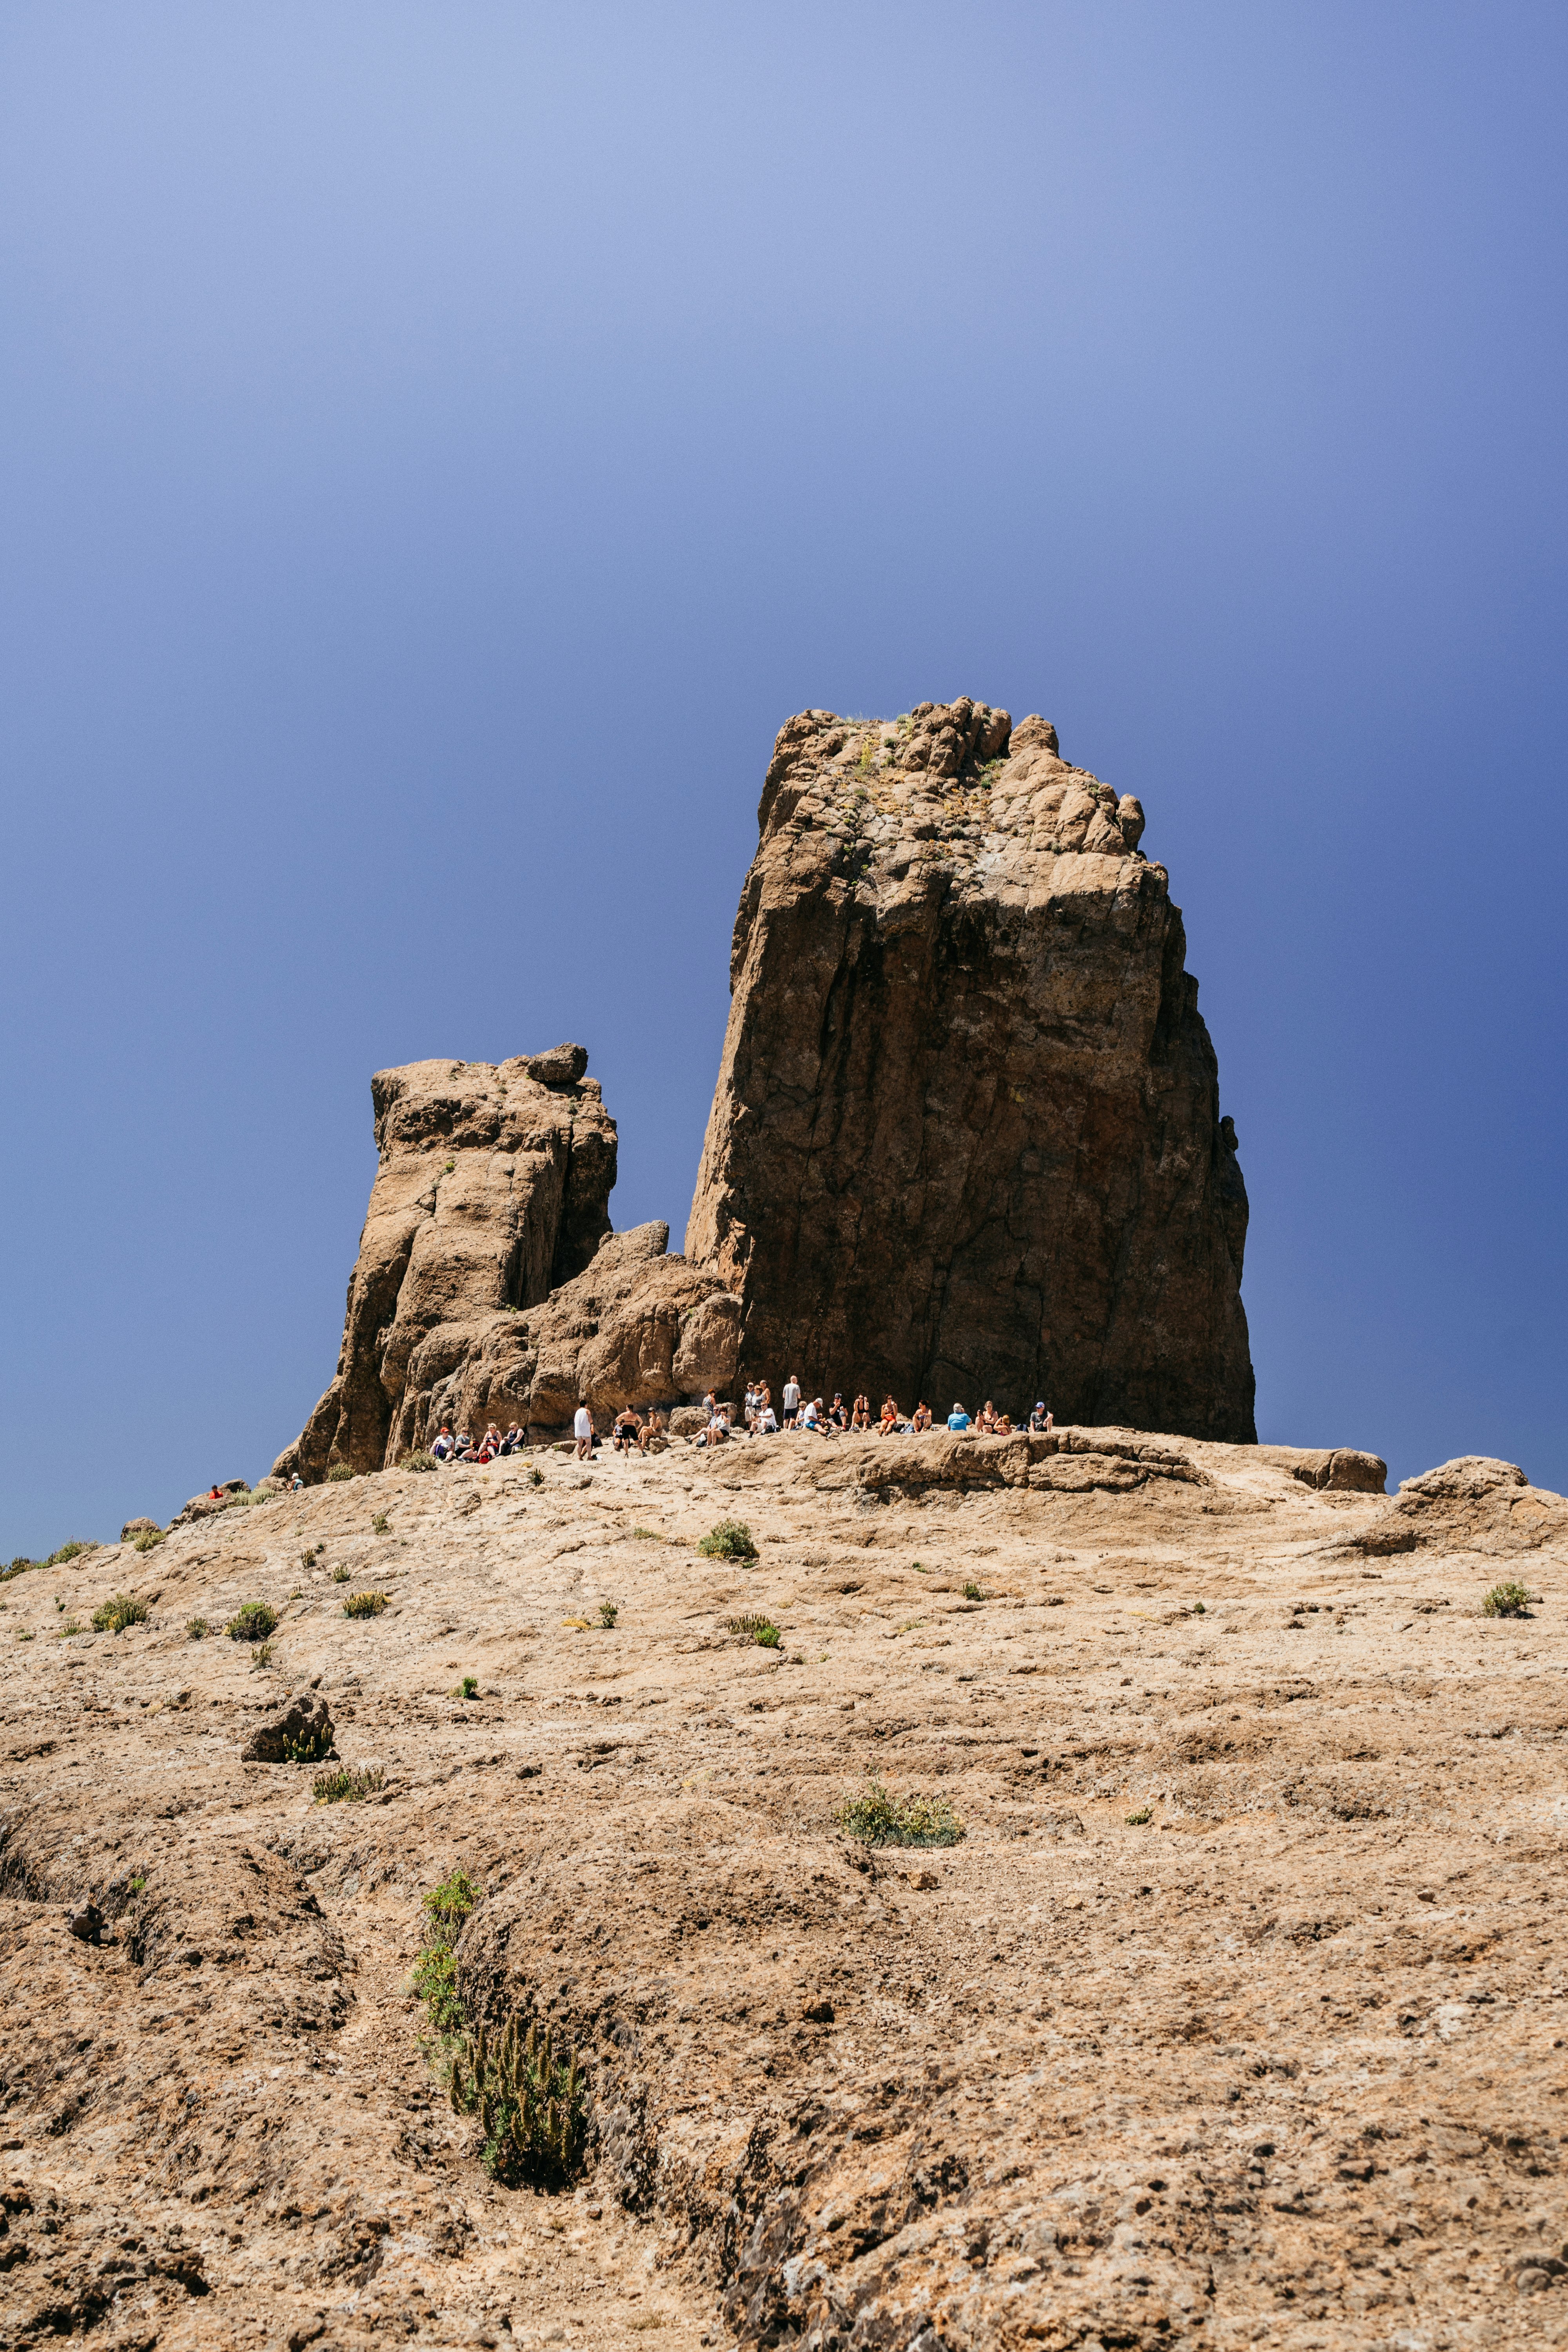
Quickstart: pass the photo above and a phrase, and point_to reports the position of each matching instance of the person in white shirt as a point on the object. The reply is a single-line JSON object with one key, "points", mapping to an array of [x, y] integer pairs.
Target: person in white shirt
{"points": [[583, 1431], [767, 1422], [790, 1401]]}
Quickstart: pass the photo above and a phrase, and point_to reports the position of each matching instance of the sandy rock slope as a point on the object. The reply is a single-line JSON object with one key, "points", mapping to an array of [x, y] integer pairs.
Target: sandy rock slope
{"points": [[1237, 2017]]}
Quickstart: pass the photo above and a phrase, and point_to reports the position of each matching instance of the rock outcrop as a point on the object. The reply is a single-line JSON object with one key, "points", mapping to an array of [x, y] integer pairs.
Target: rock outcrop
{"points": [[1473, 1504], [471, 1297], [967, 1140]]}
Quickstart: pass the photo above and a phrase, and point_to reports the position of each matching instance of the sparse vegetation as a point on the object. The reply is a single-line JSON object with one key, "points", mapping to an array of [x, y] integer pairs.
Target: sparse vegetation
{"points": [[341, 1575], [972, 1592], [380, 1523], [446, 1907], [1507, 1601], [365, 1605], [308, 1558], [536, 1477], [137, 1883], [878, 1818], [420, 1460], [121, 1609], [647, 1535], [252, 1623], [730, 1539], [608, 1613], [148, 1540], [196, 1629], [755, 1629], [338, 1470], [529, 2100], [351, 1781], [1141, 1820], [1198, 1608], [68, 1628], [68, 1551], [261, 1657], [467, 1688]]}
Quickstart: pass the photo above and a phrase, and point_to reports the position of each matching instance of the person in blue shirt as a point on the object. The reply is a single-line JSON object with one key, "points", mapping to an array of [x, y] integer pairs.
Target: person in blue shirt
{"points": [[958, 1417]]}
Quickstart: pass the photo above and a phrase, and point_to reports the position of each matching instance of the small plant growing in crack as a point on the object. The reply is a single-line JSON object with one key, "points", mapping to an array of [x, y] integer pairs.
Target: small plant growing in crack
{"points": [[341, 1575], [972, 1592], [253, 1623], [196, 1629], [351, 1781], [380, 1523], [608, 1613], [528, 2098], [879, 1818]]}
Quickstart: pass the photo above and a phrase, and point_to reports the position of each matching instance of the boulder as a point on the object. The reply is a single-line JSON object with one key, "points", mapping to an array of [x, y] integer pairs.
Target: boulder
{"points": [[134, 1527], [302, 1732], [1340, 1469], [967, 1140], [487, 1285], [1472, 1504]]}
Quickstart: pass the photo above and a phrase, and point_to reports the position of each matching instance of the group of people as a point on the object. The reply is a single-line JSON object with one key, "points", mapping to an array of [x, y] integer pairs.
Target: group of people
{"points": [[491, 1446], [630, 1432]]}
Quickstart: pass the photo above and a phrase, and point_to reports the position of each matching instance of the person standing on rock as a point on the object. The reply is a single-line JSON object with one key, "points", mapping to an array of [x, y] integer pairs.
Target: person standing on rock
{"points": [[790, 1401], [583, 1431]]}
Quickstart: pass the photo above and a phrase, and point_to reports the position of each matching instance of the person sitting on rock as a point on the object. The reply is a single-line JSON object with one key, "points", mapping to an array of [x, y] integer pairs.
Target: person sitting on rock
{"points": [[718, 1430], [624, 1436], [837, 1413], [764, 1400], [767, 1420], [890, 1420], [1004, 1425], [1039, 1420], [583, 1433], [861, 1416], [985, 1419], [920, 1419], [442, 1446], [489, 1445], [513, 1441], [651, 1438], [958, 1417]]}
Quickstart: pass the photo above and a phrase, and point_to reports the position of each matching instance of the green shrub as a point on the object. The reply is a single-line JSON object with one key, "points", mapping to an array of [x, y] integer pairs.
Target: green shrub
{"points": [[647, 1535], [449, 1904], [338, 1470], [730, 1539], [252, 1623], [341, 1575], [608, 1613], [148, 1540], [121, 1609], [467, 1688], [17, 1567], [528, 2101], [1507, 1601], [380, 1523], [261, 1656], [756, 1629], [68, 1628], [971, 1592], [878, 1818], [196, 1629], [420, 1460], [68, 1551], [351, 1781], [365, 1605], [1141, 1820]]}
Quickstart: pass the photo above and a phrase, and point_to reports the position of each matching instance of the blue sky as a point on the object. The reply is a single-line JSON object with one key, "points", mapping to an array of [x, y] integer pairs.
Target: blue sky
{"points": [[442, 444]]}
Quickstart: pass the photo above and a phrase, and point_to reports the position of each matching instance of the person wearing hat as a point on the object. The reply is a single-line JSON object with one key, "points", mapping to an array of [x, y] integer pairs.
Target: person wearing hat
{"points": [[1040, 1420], [958, 1417]]}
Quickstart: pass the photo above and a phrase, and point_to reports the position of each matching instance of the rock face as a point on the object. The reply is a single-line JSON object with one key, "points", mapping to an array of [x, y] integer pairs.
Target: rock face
{"points": [[1474, 1504], [966, 1141], [466, 1301]]}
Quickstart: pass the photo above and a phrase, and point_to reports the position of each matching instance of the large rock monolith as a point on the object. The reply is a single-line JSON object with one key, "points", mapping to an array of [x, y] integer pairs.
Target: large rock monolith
{"points": [[967, 1140]]}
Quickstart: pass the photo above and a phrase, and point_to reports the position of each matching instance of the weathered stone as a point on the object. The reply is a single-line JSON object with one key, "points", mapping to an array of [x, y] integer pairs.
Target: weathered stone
{"points": [[966, 1139], [1341, 1469], [488, 1286], [134, 1527], [1472, 1504], [302, 1732]]}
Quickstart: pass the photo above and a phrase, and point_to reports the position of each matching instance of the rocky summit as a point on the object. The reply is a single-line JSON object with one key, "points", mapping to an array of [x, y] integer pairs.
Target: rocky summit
{"points": [[967, 1138], [1097, 1888]]}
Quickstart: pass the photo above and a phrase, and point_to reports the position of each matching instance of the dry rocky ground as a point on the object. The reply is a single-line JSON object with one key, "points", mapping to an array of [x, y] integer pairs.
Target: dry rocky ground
{"points": [[1237, 2017]]}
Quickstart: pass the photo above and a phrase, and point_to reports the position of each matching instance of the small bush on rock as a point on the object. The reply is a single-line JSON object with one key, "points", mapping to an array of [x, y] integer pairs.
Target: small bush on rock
{"points": [[971, 1592], [338, 1470], [536, 1477], [261, 1657], [365, 1605], [878, 1818], [252, 1623], [121, 1609], [528, 2101], [68, 1551], [196, 1629], [148, 1540], [756, 1629], [730, 1539], [608, 1613], [447, 1908], [380, 1523], [419, 1461], [1507, 1601], [341, 1575]]}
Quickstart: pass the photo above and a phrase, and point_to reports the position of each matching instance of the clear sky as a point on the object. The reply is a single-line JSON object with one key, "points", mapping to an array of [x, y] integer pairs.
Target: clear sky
{"points": [[441, 443]]}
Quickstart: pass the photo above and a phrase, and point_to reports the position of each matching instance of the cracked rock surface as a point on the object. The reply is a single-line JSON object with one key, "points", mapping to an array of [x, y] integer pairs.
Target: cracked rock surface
{"points": [[1235, 2018]]}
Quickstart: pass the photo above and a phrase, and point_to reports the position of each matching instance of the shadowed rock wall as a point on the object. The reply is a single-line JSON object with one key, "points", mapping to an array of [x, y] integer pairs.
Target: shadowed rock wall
{"points": [[966, 1139]]}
